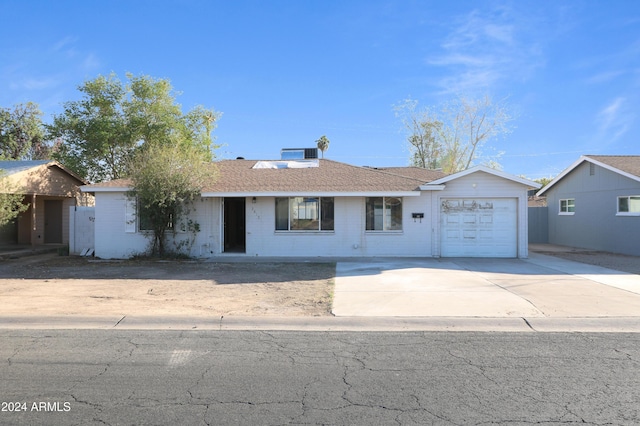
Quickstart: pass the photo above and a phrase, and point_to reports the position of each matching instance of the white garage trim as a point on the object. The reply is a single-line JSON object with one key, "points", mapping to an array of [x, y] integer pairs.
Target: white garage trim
{"points": [[478, 227]]}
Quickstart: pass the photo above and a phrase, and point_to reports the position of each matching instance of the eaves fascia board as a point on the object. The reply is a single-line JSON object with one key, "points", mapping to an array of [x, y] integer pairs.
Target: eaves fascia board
{"points": [[313, 194], [65, 170], [429, 187], [90, 188], [579, 161], [561, 175], [490, 171]]}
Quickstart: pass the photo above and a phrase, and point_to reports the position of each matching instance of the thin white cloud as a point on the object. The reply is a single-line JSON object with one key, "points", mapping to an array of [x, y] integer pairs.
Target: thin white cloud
{"points": [[614, 120], [464, 59], [34, 83], [486, 47], [604, 77], [64, 43], [46, 74], [40, 83], [500, 33], [91, 62]]}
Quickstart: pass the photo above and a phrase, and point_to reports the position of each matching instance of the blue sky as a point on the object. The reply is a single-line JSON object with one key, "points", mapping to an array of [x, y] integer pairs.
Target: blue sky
{"points": [[283, 73]]}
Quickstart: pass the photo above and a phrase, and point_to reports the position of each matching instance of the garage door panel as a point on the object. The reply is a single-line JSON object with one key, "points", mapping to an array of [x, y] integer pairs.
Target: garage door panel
{"points": [[486, 219], [473, 227]]}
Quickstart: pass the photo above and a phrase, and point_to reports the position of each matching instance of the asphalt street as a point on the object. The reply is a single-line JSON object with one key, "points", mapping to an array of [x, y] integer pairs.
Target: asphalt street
{"points": [[109, 377]]}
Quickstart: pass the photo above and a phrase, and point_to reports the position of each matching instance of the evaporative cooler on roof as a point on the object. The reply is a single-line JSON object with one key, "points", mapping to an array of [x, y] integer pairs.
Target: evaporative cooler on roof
{"points": [[299, 153]]}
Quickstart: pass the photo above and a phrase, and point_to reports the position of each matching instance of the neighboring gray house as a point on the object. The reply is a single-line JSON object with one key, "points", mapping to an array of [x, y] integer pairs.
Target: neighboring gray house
{"points": [[595, 204]]}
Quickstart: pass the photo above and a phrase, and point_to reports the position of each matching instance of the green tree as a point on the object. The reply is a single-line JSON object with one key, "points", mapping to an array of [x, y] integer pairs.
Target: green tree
{"points": [[22, 133], [454, 137], [543, 181], [167, 179], [323, 144], [10, 200], [102, 132]]}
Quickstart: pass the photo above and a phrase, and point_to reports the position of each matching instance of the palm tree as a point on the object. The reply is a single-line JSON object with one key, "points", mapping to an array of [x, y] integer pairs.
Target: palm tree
{"points": [[323, 144]]}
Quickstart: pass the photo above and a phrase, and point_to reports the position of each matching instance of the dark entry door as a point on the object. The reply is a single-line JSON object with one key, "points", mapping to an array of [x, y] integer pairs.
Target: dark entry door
{"points": [[234, 225], [53, 221]]}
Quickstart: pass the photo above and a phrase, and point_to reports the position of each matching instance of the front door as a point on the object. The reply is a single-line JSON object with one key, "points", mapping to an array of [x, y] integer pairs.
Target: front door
{"points": [[234, 225], [53, 221]]}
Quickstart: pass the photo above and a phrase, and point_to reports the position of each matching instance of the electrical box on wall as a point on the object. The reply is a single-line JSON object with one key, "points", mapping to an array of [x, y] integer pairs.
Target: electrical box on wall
{"points": [[417, 215]]}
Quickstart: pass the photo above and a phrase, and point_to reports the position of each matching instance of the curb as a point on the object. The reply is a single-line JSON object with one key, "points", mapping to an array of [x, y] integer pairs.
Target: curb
{"points": [[328, 324]]}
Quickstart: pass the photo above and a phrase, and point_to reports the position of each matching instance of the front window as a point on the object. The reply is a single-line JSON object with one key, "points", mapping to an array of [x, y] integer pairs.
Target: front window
{"points": [[145, 219], [568, 206], [383, 213], [629, 205], [304, 214]]}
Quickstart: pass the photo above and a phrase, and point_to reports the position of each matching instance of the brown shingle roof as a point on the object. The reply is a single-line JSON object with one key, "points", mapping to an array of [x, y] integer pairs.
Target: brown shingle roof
{"points": [[116, 184], [424, 175], [239, 176], [627, 163], [330, 176]]}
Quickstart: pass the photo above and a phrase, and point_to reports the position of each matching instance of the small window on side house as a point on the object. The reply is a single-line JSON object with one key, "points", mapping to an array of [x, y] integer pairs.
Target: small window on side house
{"points": [[567, 206], [629, 205]]}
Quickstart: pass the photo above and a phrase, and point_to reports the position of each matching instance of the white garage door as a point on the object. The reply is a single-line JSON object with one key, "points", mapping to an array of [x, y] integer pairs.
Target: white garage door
{"points": [[478, 227]]}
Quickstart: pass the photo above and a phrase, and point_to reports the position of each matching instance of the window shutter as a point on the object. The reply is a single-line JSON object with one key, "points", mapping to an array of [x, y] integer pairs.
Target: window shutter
{"points": [[130, 215]]}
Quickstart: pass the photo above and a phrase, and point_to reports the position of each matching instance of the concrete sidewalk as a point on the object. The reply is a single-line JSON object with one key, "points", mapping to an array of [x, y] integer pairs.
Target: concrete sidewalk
{"points": [[539, 287]]}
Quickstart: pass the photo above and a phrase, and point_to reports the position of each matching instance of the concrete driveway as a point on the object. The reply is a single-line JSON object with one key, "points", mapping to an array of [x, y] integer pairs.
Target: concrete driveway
{"points": [[541, 286]]}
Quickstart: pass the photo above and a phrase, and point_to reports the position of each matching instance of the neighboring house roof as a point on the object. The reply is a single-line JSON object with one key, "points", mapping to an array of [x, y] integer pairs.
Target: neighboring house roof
{"points": [[11, 167], [534, 201], [625, 165], [14, 166], [239, 177], [39, 178]]}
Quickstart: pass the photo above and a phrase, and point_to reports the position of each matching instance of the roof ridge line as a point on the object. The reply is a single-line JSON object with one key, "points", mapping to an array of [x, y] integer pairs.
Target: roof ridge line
{"points": [[376, 170]]}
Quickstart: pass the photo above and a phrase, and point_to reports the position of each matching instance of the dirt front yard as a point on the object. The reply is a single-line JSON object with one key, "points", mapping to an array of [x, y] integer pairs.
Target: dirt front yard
{"points": [[60, 286]]}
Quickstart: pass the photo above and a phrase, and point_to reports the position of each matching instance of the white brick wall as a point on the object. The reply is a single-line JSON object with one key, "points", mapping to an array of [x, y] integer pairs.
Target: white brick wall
{"points": [[349, 237], [117, 237]]}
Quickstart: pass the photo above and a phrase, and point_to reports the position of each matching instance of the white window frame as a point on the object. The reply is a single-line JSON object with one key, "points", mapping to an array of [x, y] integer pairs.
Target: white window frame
{"points": [[627, 213], [567, 212]]}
